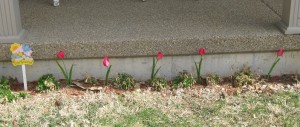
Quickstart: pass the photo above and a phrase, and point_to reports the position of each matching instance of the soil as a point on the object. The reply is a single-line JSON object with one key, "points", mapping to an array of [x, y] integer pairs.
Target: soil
{"points": [[75, 90]]}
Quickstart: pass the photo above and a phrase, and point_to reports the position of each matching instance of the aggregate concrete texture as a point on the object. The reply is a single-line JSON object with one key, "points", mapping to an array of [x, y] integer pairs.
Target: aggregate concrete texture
{"points": [[131, 28], [275, 5]]}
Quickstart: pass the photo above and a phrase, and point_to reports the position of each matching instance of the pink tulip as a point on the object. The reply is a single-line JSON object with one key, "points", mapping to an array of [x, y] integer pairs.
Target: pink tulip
{"points": [[202, 51], [159, 55], [106, 61], [60, 54], [280, 52]]}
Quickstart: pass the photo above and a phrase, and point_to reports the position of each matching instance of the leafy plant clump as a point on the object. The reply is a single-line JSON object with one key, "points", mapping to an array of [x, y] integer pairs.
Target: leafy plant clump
{"points": [[124, 81], [23, 95], [213, 79], [183, 80], [6, 95], [159, 83], [243, 77], [47, 82], [88, 79]]}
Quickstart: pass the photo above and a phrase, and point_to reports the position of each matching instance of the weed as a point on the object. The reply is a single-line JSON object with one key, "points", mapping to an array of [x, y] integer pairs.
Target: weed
{"points": [[123, 81], [47, 82], [184, 80], [213, 79], [243, 77], [159, 83], [6, 95], [90, 79], [23, 94]]}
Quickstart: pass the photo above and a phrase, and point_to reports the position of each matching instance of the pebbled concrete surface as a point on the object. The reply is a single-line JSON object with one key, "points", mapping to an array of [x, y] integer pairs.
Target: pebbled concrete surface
{"points": [[131, 28], [275, 5]]}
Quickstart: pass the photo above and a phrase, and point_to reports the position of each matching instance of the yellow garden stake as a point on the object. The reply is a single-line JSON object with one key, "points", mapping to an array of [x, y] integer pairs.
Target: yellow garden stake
{"points": [[21, 55]]}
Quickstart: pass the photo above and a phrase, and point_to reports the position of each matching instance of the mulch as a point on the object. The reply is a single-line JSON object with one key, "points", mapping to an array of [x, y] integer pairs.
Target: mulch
{"points": [[79, 86]]}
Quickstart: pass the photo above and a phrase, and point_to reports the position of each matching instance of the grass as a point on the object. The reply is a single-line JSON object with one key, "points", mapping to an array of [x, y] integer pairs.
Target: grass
{"points": [[151, 109]]}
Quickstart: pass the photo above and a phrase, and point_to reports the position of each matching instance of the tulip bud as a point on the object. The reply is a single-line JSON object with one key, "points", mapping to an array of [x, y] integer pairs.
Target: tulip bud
{"points": [[202, 51], [159, 55], [61, 55], [106, 61], [280, 52]]}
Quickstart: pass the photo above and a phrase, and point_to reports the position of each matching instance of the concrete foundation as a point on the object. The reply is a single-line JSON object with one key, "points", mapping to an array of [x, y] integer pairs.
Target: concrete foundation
{"points": [[140, 67], [10, 22]]}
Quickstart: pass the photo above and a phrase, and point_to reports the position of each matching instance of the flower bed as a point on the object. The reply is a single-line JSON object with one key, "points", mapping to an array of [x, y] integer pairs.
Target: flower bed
{"points": [[122, 101]]}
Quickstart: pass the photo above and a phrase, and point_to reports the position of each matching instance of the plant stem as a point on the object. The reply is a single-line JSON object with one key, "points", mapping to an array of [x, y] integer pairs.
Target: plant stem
{"points": [[64, 65], [199, 70], [63, 71], [153, 69], [107, 74], [273, 65]]}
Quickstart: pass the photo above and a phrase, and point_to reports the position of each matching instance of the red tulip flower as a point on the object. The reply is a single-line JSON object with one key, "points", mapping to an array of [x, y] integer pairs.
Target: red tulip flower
{"points": [[67, 74], [154, 71], [106, 61], [159, 55], [106, 64], [198, 65], [202, 51], [280, 52], [60, 54]]}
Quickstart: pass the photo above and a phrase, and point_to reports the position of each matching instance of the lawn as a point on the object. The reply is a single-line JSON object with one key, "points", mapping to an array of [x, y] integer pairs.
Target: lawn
{"points": [[201, 106]]}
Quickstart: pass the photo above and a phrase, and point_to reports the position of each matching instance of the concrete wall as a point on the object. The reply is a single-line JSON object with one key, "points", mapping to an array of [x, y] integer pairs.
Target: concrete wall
{"points": [[10, 21], [140, 68], [290, 17]]}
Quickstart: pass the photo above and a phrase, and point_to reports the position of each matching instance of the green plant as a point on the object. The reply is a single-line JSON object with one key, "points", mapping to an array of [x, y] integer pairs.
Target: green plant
{"points": [[184, 80], [106, 64], [90, 79], [47, 82], [68, 76], [243, 77], [159, 83], [213, 79], [124, 81], [159, 56], [23, 94], [279, 53], [198, 66], [6, 95]]}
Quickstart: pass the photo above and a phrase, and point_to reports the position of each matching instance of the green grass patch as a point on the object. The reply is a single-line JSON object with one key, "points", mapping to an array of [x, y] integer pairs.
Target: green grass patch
{"points": [[150, 117]]}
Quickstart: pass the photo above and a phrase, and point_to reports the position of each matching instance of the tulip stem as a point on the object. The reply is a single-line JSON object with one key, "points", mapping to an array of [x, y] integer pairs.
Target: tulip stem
{"points": [[272, 67], [107, 74], [154, 71], [68, 76], [198, 69], [64, 65]]}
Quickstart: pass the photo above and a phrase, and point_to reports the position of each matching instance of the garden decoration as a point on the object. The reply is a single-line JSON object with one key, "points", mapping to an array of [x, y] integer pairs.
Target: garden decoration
{"points": [[68, 76], [159, 56], [198, 66], [21, 55], [106, 64], [277, 59]]}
